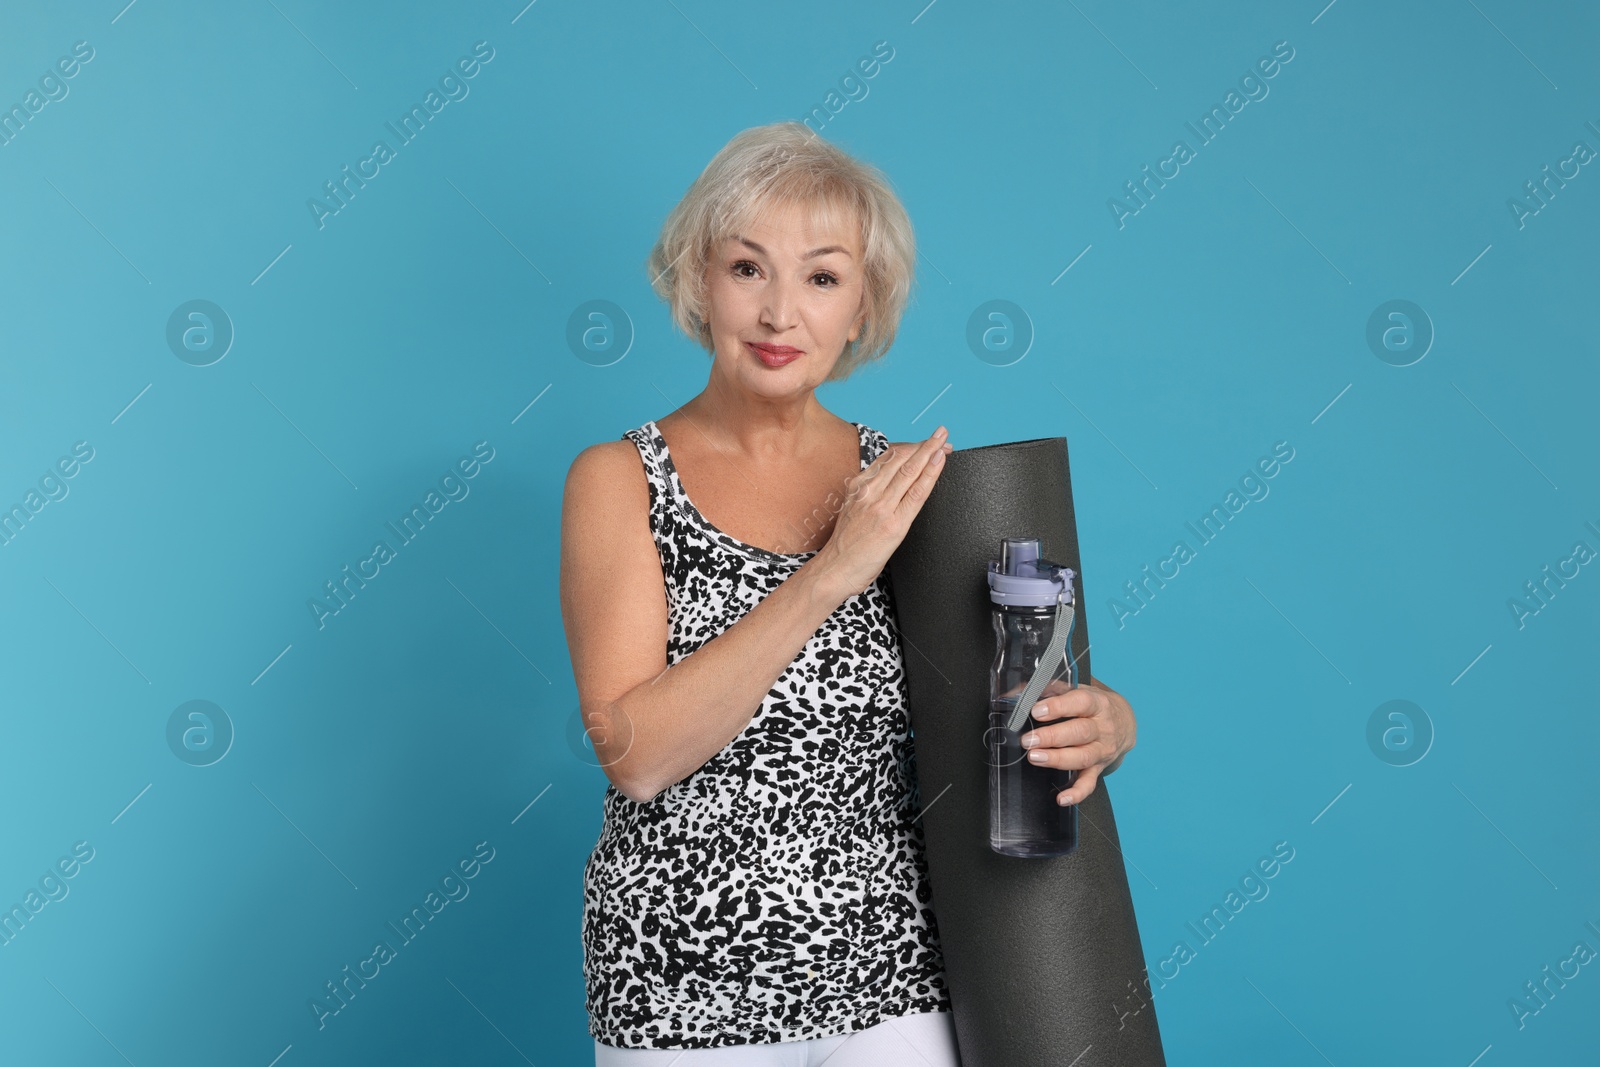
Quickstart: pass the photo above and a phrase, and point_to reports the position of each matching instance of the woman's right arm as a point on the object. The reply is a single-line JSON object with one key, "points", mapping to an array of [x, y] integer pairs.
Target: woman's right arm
{"points": [[654, 725]]}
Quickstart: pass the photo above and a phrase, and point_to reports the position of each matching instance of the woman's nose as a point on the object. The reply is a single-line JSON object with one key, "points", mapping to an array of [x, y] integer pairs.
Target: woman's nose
{"points": [[777, 309]]}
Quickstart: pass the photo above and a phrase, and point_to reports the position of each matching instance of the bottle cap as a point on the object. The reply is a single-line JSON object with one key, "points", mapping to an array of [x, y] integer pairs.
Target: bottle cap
{"points": [[1020, 577]]}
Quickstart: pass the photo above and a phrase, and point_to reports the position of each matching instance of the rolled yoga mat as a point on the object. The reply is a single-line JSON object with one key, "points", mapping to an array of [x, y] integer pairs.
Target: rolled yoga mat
{"points": [[1042, 956]]}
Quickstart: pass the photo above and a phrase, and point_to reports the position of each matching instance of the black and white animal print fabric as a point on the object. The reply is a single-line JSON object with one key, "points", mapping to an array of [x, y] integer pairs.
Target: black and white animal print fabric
{"points": [[779, 892]]}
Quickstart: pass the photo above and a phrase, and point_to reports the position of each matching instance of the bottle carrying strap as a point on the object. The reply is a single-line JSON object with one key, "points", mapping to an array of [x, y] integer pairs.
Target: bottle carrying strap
{"points": [[1055, 651]]}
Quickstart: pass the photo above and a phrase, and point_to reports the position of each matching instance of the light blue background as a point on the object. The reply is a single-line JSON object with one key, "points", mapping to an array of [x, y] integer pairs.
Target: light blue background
{"points": [[436, 710]]}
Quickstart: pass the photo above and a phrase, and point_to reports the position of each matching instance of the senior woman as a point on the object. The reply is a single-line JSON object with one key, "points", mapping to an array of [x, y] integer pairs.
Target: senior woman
{"points": [[759, 892]]}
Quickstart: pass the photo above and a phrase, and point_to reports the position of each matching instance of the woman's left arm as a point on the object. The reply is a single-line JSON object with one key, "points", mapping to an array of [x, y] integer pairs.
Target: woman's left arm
{"points": [[1096, 730]]}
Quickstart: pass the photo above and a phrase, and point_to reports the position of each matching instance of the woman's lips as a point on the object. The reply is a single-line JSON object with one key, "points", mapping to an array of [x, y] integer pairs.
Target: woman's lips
{"points": [[776, 356]]}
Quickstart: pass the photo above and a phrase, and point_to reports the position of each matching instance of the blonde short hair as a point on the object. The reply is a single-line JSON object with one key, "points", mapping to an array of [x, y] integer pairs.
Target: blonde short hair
{"points": [[780, 164]]}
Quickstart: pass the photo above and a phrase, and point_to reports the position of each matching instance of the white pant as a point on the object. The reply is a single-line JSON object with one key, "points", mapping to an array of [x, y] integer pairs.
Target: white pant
{"points": [[927, 1039]]}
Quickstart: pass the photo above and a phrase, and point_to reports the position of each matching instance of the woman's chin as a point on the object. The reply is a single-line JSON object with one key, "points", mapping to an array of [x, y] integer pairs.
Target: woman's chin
{"points": [[789, 381], [759, 378]]}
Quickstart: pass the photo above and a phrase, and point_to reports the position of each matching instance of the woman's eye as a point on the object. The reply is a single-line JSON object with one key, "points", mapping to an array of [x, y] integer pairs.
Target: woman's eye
{"points": [[828, 278]]}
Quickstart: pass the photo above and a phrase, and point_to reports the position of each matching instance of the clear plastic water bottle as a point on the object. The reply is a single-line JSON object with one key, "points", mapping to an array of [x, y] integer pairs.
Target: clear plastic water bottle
{"points": [[1033, 612]]}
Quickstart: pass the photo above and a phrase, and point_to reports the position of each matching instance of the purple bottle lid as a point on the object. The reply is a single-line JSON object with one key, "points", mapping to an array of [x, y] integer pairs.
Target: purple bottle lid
{"points": [[1021, 578]]}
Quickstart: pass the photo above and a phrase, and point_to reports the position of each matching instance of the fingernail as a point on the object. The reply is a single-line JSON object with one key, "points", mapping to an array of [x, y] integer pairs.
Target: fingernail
{"points": [[1030, 740], [1064, 799], [937, 458], [1036, 756]]}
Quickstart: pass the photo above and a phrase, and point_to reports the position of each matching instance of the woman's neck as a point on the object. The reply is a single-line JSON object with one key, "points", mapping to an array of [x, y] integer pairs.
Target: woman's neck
{"points": [[758, 425]]}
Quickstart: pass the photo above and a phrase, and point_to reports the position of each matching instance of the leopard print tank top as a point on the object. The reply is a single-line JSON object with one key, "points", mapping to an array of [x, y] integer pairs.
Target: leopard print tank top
{"points": [[780, 891]]}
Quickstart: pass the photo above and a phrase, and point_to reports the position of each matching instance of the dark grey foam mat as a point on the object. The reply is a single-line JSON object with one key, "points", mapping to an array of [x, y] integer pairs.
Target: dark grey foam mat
{"points": [[1042, 955]]}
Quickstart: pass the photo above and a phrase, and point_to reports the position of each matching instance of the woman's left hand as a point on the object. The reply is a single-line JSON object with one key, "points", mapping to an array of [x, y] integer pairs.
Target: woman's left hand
{"points": [[1088, 730]]}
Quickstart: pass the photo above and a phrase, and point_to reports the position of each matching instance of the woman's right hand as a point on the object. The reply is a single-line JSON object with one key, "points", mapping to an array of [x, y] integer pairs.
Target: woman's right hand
{"points": [[879, 505]]}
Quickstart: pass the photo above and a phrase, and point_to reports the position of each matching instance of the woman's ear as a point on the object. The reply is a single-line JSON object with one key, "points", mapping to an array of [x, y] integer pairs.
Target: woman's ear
{"points": [[861, 319]]}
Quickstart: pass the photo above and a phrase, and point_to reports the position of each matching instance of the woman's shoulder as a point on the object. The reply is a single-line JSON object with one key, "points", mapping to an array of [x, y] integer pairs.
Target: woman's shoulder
{"points": [[605, 456], [619, 453], [873, 441], [609, 472]]}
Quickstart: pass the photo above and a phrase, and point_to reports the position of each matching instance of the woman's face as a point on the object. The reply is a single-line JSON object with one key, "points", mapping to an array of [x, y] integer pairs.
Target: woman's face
{"points": [[785, 298]]}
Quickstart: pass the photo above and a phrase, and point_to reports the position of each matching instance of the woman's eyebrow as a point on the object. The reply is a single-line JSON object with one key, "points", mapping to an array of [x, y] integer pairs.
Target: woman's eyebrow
{"points": [[815, 252]]}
